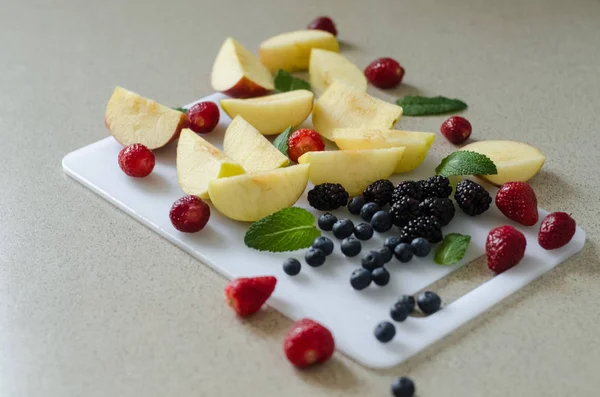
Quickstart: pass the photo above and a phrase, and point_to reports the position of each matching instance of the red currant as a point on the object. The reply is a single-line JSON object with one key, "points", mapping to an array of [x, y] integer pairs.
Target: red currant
{"points": [[456, 129], [323, 23], [384, 73], [189, 214], [204, 117], [136, 160]]}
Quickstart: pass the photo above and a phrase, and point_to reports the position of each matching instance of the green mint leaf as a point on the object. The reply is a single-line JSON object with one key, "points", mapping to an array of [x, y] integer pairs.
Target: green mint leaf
{"points": [[281, 142], [464, 162], [452, 249], [284, 82], [180, 109], [427, 106], [287, 230]]}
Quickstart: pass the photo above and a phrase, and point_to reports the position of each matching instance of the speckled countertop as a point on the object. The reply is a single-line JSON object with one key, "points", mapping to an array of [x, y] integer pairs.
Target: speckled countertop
{"points": [[94, 304]]}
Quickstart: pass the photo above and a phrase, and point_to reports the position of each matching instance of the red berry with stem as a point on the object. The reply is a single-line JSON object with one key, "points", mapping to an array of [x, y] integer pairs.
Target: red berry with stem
{"points": [[308, 343], [189, 214], [384, 73], [556, 230], [246, 295], [203, 117], [302, 141], [323, 23], [136, 160], [456, 129]]}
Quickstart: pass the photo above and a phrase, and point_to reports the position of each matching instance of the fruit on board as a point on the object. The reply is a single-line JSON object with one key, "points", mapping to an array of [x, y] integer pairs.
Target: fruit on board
{"points": [[343, 106], [505, 247], [327, 66], [308, 343], [353, 169], [515, 161], [136, 160], [416, 144], [203, 117], [323, 23], [517, 201], [198, 162], [250, 197], [291, 51], [131, 118], [273, 113], [246, 295], [384, 73], [302, 141], [189, 214], [238, 73], [556, 230], [244, 144]]}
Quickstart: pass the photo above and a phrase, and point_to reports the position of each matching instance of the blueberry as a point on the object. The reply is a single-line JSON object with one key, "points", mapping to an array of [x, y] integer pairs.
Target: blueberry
{"points": [[381, 221], [408, 301], [385, 331], [429, 302], [380, 276], [343, 228], [391, 242], [403, 252], [291, 266], [386, 254], [363, 231], [371, 261], [351, 246], [326, 221], [324, 244], [355, 204], [368, 210], [314, 257], [399, 312], [420, 247], [403, 387], [360, 279]]}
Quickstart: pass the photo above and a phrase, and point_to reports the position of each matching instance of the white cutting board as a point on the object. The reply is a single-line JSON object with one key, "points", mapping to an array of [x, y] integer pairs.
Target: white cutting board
{"points": [[323, 294]]}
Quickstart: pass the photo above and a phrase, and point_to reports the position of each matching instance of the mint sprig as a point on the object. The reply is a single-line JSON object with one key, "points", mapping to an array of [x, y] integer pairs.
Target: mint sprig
{"points": [[284, 82], [452, 249], [287, 230], [427, 106], [464, 162], [281, 142]]}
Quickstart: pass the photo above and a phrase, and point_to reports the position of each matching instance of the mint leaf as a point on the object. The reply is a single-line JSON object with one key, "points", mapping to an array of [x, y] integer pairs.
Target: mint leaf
{"points": [[281, 142], [426, 106], [464, 162], [287, 230], [180, 109], [284, 82], [452, 249]]}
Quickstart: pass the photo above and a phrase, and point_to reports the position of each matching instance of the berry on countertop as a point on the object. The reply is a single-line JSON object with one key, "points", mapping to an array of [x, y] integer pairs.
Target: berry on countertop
{"points": [[371, 261], [351, 246], [472, 198], [189, 214], [556, 230], [328, 196], [324, 244], [407, 235], [291, 266], [308, 343], [436, 186], [384, 73], [360, 279], [505, 247], [203, 117], [429, 302], [381, 221], [363, 231], [424, 226], [326, 221], [456, 129], [379, 192], [303, 141], [399, 312], [246, 295], [517, 201], [323, 23], [314, 257], [380, 276], [403, 252], [440, 208], [391, 242], [408, 301], [343, 228], [368, 210], [408, 188], [420, 247], [386, 254], [403, 387], [136, 160], [405, 209], [385, 331], [355, 204]]}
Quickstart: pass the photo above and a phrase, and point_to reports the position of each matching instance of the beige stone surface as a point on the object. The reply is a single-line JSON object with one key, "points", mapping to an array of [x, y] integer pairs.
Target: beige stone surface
{"points": [[94, 304]]}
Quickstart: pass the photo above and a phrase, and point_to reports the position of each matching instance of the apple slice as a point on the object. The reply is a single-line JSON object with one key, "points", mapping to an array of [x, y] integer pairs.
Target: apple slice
{"points": [[273, 113], [238, 73], [515, 161], [353, 169], [198, 162], [325, 67], [131, 118], [343, 106], [291, 51], [247, 146], [250, 197], [416, 144]]}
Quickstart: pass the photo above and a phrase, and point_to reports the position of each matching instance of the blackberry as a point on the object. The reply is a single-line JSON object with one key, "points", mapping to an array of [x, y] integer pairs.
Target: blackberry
{"points": [[404, 209], [379, 192], [440, 208], [408, 188], [436, 186], [472, 198], [328, 196], [426, 227], [406, 235]]}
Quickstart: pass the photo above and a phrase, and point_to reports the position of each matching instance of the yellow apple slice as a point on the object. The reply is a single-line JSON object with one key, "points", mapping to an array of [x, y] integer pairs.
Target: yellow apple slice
{"points": [[325, 67], [515, 161], [198, 162], [353, 169], [238, 73], [291, 51], [250, 197], [273, 113], [250, 149], [416, 144], [343, 106], [131, 118]]}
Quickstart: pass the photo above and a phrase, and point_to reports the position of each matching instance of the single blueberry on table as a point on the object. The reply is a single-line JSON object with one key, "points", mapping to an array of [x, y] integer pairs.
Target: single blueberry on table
{"points": [[403, 387], [381, 221], [291, 266], [371, 261], [420, 247], [399, 312], [363, 231], [386, 254], [355, 204], [343, 228], [314, 257], [429, 302], [351, 246], [380, 276], [391, 242], [385, 331], [360, 279], [326, 221], [324, 244], [368, 210], [403, 252]]}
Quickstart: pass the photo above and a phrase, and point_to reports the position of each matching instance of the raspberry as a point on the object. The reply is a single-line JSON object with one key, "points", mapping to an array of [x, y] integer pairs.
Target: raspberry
{"points": [[204, 117], [517, 201], [384, 73], [456, 129], [246, 295], [556, 230], [323, 23], [379, 192], [505, 247], [308, 343], [136, 160], [302, 141], [189, 214]]}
